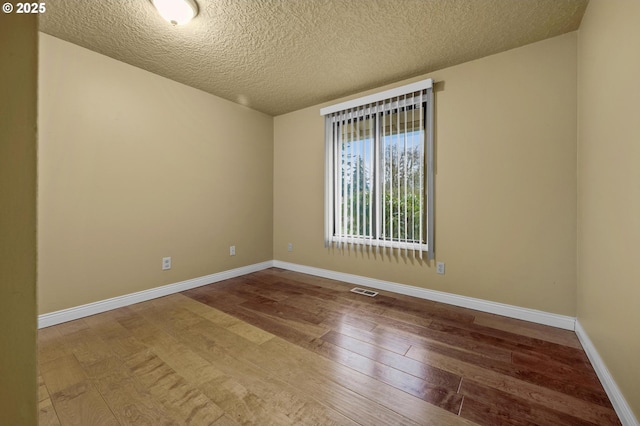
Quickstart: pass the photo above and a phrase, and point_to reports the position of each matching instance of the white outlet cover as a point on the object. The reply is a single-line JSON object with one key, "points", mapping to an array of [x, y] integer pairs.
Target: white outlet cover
{"points": [[166, 263], [440, 268]]}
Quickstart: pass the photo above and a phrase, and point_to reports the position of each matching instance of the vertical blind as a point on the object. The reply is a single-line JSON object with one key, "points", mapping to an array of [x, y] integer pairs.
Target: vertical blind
{"points": [[379, 172]]}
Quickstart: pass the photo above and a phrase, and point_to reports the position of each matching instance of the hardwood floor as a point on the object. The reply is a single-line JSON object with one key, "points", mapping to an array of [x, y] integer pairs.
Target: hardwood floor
{"points": [[278, 348]]}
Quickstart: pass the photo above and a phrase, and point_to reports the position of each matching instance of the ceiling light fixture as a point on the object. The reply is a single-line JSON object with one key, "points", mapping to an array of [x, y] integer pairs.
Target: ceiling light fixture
{"points": [[178, 12]]}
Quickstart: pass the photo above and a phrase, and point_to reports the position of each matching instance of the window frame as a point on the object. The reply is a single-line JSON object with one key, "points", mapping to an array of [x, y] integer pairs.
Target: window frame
{"points": [[332, 167]]}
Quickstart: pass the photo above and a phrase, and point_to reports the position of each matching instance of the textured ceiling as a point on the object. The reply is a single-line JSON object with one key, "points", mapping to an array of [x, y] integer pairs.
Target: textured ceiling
{"points": [[278, 56]]}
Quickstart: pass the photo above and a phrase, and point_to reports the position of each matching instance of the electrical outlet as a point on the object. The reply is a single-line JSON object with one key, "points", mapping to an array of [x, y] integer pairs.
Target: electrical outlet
{"points": [[166, 263], [290, 247], [232, 250], [440, 268]]}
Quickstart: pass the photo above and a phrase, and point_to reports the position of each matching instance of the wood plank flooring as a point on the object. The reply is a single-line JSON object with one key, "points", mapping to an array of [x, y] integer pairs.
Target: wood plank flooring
{"points": [[282, 348]]}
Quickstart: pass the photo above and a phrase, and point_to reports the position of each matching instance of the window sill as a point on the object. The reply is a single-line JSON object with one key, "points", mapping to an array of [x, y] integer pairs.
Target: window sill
{"points": [[375, 243]]}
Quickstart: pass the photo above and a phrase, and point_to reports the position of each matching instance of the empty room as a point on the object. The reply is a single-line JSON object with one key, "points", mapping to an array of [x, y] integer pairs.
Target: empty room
{"points": [[236, 212]]}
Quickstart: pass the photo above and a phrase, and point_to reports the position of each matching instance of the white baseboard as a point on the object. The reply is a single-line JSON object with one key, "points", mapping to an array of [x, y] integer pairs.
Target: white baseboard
{"points": [[58, 317], [613, 391], [531, 315]]}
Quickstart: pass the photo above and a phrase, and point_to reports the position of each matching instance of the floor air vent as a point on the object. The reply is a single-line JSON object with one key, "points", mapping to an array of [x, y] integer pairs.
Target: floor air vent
{"points": [[364, 292]]}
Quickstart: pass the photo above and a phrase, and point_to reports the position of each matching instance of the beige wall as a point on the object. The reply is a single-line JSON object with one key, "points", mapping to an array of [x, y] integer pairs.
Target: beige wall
{"points": [[18, 90], [134, 167], [505, 183], [609, 187]]}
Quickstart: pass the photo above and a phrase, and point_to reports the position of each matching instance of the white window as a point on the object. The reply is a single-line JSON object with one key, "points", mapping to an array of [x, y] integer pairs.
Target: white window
{"points": [[379, 171]]}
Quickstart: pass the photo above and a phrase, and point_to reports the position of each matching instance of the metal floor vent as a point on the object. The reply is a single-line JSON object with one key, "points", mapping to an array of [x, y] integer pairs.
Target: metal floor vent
{"points": [[364, 292]]}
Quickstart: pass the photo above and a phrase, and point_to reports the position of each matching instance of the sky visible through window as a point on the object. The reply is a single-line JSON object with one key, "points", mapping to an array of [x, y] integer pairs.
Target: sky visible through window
{"points": [[400, 170]]}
